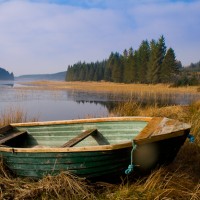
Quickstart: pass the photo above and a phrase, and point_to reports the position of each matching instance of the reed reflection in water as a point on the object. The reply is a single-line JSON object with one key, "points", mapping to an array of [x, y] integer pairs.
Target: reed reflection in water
{"points": [[72, 104]]}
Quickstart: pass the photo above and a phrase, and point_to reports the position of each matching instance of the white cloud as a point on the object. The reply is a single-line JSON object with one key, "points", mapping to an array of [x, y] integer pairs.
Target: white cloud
{"points": [[45, 38], [179, 22], [39, 38]]}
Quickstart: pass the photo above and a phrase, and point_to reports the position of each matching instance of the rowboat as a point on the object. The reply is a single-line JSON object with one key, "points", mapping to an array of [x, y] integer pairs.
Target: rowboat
{"points": [[91, 148]]}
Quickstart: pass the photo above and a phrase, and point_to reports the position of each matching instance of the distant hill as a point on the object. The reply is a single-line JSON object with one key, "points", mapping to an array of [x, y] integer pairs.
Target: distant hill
{"points": [[60, 76], [5, 75]]}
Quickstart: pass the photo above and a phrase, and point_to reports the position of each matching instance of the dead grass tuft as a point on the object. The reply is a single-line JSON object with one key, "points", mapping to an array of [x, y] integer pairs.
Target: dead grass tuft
{"points": [[174, 112], [161, 184], [62, 186], [129, 108], [132, 108]]}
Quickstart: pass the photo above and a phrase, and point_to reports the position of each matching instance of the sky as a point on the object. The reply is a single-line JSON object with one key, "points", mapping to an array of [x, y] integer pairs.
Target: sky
{"points": [[45, 36]]}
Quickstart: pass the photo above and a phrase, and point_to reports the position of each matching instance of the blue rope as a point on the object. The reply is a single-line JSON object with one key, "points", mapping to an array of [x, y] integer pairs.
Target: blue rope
{"points": [[191, 138], [131, 166]]}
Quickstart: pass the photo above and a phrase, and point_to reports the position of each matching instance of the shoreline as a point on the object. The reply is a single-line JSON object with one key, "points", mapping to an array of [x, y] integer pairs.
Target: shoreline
{"points": [[109, 87]]}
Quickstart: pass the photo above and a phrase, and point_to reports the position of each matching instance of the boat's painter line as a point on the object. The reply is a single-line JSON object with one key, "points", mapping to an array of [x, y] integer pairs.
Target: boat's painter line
{"points": [[131, 166]]}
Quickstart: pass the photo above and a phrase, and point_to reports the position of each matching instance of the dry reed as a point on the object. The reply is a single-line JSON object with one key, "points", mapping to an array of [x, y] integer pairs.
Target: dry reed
{"points": [[62, 186], [179, 180], [160, 184], [159, 93], [110, 87], [14, 115]]}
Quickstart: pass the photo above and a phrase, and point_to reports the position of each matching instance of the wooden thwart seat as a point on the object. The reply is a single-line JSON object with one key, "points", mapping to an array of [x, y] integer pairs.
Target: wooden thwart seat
{"points": [[101, 140], [93, 132], [10, 136], [5, 129], [79, 138]]}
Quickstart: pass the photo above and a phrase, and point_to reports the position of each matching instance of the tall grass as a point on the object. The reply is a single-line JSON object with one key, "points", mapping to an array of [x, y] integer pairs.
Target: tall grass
{"points": [[14, 115], [160, 184], [62, 186], [161, 93], [179, 180], [111, 87]]}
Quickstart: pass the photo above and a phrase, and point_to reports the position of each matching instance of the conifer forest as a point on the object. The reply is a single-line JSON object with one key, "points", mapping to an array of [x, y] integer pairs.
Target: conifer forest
{"points": [[151, 63]]}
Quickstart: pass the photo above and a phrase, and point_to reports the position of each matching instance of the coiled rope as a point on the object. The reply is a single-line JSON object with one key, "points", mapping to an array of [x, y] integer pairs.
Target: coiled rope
{"points": [[131, 166], [191, 138]]}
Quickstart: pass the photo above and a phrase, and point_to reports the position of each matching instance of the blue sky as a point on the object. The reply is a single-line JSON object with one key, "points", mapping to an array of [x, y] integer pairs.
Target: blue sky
{"points": [[45, 36]]}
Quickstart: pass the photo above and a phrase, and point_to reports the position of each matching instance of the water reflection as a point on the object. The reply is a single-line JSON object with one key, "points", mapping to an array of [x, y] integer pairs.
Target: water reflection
{"points": [[62, 104], [144, 99], [6, 83]]}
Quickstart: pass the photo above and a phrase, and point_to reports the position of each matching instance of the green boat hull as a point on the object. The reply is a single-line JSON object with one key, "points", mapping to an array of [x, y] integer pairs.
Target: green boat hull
{"points": [[36, 149], [83, 164]]}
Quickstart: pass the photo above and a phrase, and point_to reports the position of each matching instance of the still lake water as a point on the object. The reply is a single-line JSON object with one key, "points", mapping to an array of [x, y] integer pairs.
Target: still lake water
{"points": [[48, 105]]}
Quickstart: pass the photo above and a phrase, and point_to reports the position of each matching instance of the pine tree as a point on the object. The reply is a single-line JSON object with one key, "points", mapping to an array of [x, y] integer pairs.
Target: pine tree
{"points": [[169, 66], [143, 59], [127, 70], [130, 67], [158, 51], [117, 70], [130, 52], [125, 54], [152, 61], [149, 64]]}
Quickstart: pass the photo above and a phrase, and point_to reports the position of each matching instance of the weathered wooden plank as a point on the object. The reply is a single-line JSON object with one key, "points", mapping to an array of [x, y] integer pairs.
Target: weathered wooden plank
{"points": [[101, 140], [181, 126], [166, 126], [161, 129], [5, 129], [149, 129], [79, 138], [93, 120], [156, 138], [117, 167], [11, 136], [70, 165], [69, 149], [64, 159]]}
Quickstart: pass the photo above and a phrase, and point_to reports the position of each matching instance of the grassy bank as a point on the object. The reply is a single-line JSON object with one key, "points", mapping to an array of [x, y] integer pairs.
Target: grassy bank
{"points": [[179, 180], [161, 94], [112, 87]]}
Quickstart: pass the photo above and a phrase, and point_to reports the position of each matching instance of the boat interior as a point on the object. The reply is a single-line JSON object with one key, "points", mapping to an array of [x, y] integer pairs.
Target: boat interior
{"points": [[70, 135]]}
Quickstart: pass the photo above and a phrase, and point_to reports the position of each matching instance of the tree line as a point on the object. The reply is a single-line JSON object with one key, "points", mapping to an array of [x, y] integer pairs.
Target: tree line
{"points": [[189, 75], [193, 67], [152, 62], [5, 75]]}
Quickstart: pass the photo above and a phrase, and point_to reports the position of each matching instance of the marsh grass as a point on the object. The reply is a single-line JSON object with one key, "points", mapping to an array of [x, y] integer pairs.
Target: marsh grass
{"points": [[159, 93], [131, 108], [111, 87], [179, 180], [62, 186], [14, 115], [160, 184]]}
